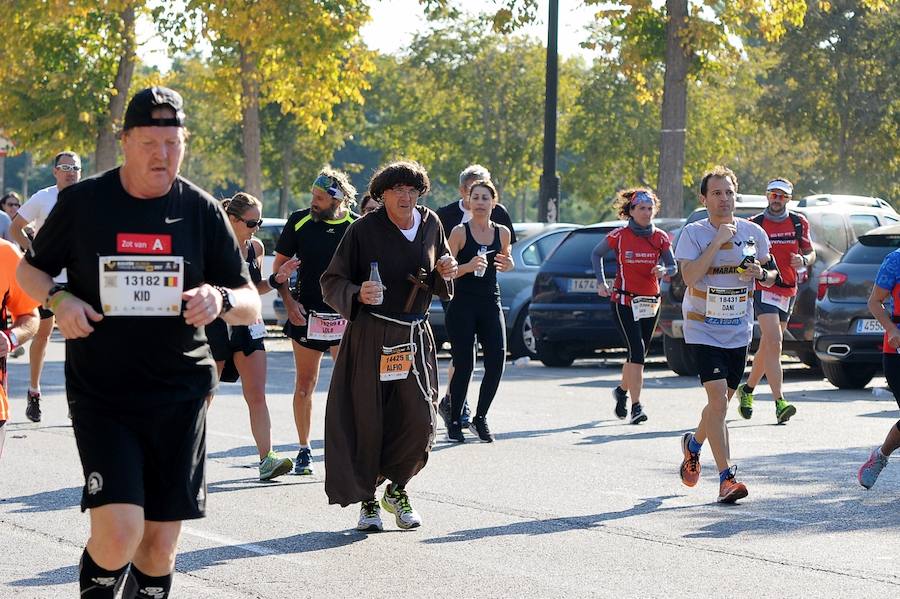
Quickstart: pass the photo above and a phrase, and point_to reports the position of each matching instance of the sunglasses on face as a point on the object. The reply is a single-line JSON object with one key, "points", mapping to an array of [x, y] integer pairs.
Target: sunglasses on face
{"points": [[252, 224], [66, 168], [778, 195]]}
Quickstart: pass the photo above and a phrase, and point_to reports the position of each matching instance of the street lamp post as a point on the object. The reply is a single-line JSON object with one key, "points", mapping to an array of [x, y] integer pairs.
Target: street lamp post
{"points": [[548, 204]]}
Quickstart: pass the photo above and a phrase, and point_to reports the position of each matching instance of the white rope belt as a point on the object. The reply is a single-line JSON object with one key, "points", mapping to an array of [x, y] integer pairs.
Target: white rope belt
{"points": [[415, 325]]}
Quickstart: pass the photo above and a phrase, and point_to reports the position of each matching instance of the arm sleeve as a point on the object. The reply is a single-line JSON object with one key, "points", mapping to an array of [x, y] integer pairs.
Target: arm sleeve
{"points": [[223, 264], [805, 241], [503, 218], [687, 248], [50, 249], [287, 245], [889, 272], [338, 287], [442, 247], [668, 260], [600, 250], [32, 208]]}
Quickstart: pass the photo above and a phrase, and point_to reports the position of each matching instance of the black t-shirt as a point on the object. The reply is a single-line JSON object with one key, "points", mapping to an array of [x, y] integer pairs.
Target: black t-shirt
{"points": [[486, 285], [138, 361], [314, 242], [452, 215]]}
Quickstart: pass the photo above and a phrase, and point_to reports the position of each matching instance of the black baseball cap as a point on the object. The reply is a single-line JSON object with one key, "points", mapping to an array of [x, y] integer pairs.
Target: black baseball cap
{"points": [[140, 109]]}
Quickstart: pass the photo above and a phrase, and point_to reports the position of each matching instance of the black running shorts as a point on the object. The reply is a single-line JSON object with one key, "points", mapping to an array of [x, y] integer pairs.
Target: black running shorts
{"points": [[760, 307], [298, 334], [716, 363], [153, 458], [223, 346]]}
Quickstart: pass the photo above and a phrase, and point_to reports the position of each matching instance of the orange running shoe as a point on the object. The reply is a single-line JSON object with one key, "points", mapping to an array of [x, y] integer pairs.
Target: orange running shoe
{"points": [[690, 466], [731, 490]]}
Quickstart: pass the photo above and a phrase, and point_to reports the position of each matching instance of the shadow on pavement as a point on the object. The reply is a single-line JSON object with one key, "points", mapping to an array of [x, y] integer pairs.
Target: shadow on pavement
{"points": [[248, 451], [46, 501], [441, 442], [551, 525], [301, 543], [823, 496], [64, 575], [600, 439]]}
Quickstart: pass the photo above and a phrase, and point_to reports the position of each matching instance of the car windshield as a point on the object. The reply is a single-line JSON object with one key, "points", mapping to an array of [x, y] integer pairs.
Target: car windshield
{"points": [[871, 249], [577, 247]]}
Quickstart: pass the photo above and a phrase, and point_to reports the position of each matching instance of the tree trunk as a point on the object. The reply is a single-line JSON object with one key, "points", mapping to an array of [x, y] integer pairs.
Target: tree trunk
{"points": [[105, 156], [670, 184], [287, 159], [250, 129]]}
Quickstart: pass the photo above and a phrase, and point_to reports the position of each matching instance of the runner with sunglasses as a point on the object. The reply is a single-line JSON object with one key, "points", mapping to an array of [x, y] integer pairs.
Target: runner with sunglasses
{"points": [[312, 235], [788, 234], [240, 351], [638, 248], [67, 172]]}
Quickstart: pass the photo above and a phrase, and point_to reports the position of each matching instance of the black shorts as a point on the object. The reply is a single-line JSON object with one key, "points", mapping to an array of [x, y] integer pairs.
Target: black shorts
{"points": [[760, 307], [45, 313], [716, 363], [154, 458], [298, 334], [223, 346]]}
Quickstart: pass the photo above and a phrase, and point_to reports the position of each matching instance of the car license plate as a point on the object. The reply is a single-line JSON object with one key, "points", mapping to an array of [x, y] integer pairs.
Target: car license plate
{"points": [[582, 285], [869, 325]]}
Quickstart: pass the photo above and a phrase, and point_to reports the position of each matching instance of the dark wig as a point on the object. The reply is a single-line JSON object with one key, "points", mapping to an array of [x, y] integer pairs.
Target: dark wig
{"points": [[399, 173]]}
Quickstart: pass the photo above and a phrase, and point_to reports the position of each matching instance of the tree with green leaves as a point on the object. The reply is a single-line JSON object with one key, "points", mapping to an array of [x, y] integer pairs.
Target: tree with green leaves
{"points": [[303, 56], [65, 69]]}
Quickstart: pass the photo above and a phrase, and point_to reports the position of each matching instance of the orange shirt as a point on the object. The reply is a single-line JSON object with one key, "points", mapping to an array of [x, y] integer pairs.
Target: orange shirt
{"points": [[14, 304]]}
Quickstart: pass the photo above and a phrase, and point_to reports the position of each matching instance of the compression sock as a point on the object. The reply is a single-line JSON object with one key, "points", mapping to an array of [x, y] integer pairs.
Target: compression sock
{"points": [[97, 583], [142, 586], [724, 474], [693, 446]]}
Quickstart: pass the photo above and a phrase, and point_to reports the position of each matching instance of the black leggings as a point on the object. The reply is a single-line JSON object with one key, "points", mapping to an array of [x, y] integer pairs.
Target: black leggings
{"points": [[891, 364], [636, 334], [468, 316]]}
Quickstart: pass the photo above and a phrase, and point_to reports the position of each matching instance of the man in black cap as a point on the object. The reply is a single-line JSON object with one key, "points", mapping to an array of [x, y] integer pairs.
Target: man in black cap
{"points": [[144, 279]]}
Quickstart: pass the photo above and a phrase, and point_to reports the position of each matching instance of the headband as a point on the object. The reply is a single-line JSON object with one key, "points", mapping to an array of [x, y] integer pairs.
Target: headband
{"points": [[330, 186], [780, 185], [641, 197]]}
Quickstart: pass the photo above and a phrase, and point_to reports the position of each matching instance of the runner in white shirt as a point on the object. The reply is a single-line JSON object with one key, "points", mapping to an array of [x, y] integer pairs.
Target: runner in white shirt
{"points": [[719, 258], [67, 171]]}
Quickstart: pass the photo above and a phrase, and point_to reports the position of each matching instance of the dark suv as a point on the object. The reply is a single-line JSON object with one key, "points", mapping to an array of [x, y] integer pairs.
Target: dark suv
{"points": [[847, 338], [568, 318], [834, 225]]}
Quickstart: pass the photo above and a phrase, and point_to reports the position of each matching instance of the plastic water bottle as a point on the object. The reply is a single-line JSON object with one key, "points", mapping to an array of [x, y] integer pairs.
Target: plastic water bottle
{"points": [[374, 275], [482, 251], [749, 251]]}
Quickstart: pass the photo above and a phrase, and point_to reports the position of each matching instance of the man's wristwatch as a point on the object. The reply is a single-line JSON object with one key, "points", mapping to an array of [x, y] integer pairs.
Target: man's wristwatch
{"points": [[228, 299], [53, 291]]}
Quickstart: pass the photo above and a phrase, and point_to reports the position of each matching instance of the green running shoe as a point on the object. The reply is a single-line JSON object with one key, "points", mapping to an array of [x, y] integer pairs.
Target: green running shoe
{"points": [[783, 410], [746, 407], [273, 466]]}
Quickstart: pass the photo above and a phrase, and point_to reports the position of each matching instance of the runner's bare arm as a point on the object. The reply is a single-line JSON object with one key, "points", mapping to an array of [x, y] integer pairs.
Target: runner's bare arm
{"points": [[296, 313], [73, 315], [876, 307]]}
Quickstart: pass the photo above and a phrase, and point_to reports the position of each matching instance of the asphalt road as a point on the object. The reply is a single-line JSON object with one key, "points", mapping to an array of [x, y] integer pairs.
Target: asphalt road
{"points": [[569, 502]]}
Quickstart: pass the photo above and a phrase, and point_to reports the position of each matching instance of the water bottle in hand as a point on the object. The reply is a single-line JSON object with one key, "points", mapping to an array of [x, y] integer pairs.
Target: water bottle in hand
{"points": [[479, 272], [374, 275]]}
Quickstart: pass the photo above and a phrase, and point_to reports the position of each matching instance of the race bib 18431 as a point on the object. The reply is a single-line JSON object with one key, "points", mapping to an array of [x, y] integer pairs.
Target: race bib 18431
{"points": [[726, 305], [141, 285]]}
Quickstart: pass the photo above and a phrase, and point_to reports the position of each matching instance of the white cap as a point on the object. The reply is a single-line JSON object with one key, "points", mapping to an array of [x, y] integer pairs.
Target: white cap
{"points": [[781, 186]]}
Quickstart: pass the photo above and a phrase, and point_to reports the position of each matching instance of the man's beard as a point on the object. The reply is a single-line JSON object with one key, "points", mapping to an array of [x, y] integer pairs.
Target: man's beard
{"points": [[323, 214]]}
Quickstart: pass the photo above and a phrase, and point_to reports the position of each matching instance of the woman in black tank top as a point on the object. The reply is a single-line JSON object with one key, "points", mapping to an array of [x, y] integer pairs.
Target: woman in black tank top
{"points": [[239, 351], [482, 248]]}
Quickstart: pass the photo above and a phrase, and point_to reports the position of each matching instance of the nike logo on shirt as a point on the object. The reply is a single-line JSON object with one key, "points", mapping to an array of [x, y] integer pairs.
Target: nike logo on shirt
{"points": [[170, 221]]}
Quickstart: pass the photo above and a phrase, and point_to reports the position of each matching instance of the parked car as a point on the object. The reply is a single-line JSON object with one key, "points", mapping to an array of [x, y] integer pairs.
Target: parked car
{"points": [[834, 225], [535, 242], [569, 320], [847, 339], [269, 233]]}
